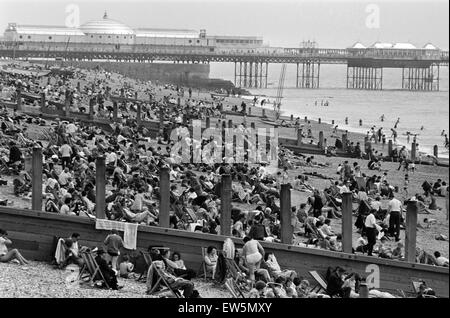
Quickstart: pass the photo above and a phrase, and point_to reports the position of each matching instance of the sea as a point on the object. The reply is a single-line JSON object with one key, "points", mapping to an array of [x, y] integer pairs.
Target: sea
{"points": [[423, 113]]}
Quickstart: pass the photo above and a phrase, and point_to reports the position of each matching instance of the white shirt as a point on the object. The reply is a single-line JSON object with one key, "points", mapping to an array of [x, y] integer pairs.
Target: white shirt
{"points": [[370, 221], [394, 205], [65, 150]]}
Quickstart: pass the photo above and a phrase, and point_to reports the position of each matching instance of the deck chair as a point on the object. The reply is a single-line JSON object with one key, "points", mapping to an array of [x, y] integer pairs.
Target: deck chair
{"points": [[321, 283], [202, 272], [161, 280], [91, 267], [416, 287], [232, 287], [148, 262]]}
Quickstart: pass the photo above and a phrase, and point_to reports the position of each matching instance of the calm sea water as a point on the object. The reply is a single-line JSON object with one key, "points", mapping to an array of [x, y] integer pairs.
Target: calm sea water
{"points": [[415, 109]]}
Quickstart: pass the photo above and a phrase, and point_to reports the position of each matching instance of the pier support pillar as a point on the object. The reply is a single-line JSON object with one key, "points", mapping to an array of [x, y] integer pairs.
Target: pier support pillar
{"points": [[410, 232], [36, 180], [308, 74], [100, 185], [250, 74], [287, 231], [364, 77], [164, 203], [347, 222], [225, 206], [421, 78]]}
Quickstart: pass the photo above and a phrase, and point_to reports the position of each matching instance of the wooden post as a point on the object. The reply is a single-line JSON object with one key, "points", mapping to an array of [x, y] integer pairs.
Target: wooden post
{"points": [[179, 101], [91, 109], [230, 123], [264, 112], [320, 120], [36, 180], [164, 203], [292, 117], [138, 114], [161, 118], [100, 185], [347, 222], [42, 101], [225, 206], [249, 110], [115, 111], [435, 151], [252, 125], [413, 151], [390, 148], [320, 140], [332, 122], [287, 231], [19, 98], [363, 290], [208, 122], [122, 92], [410, 231], [306, 119], [299, 137], [136, 95], [78, 86], [344, 142]]}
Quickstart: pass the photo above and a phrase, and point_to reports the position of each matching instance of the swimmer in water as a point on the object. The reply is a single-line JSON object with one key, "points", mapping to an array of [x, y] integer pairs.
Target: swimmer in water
{"points": [[421, 128]]}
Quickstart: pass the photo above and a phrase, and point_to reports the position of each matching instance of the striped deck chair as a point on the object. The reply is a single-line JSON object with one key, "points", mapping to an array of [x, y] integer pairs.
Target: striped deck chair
{"points": [[321, 283], [148, 262], [233, 288], [91, 268], [161, 281]]}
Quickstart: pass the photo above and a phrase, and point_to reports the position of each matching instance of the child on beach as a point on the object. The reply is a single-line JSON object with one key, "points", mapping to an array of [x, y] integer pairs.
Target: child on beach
{"points": [[126, 267]]}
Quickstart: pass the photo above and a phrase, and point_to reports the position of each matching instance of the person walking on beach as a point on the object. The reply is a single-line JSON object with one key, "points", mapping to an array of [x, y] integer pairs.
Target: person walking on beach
{"points": [[253, 253], [394, 209], [370, 227], [397, 122]]}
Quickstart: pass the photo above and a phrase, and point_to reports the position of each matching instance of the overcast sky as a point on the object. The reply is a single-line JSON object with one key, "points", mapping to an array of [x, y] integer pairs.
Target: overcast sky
{"points": [[331, 23]]}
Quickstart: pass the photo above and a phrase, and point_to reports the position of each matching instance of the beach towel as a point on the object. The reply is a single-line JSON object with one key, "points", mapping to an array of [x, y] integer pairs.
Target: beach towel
{"points": [[129, 229]]}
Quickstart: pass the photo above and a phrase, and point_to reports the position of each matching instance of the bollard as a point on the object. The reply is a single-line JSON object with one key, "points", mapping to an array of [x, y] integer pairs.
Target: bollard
{"points": [[208, 122], [225, 206], [138, 113], [299, 137], [344, 142], [287, 231], [363, 290], [320, 121], [42, 100], [435, 151], [347, 222], [410, 231], [100, 185], [320, 144], [390, 148], [164, 203], [413, 151], [36, 171], [115, 111]]}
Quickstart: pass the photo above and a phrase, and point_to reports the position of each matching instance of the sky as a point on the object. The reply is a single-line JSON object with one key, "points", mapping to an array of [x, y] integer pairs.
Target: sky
{"points": [[286, 23]]}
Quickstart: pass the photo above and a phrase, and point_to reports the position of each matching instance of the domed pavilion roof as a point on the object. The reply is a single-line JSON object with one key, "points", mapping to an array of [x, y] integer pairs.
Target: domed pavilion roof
{"points": [[106, 26]]}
